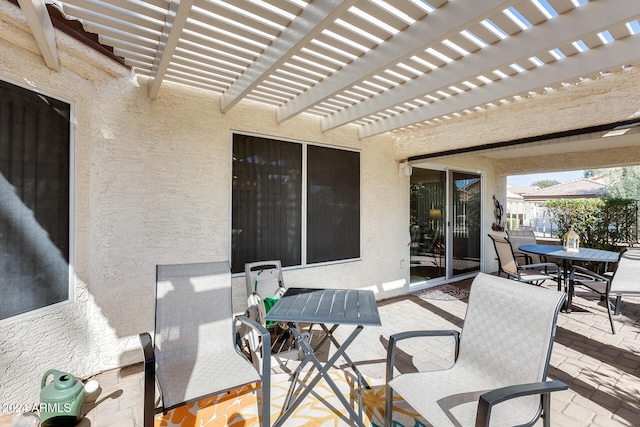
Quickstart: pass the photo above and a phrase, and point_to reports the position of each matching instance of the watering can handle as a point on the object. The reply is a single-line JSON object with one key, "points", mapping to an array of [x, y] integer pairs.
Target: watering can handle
{"points": [[46, 375]]}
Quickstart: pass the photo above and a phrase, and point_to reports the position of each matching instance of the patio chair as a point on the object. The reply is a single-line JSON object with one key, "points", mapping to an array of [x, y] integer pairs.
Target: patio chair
{"points": [[624, 281], [194, 353], [523, 271], [499, 376], [525, 237]]}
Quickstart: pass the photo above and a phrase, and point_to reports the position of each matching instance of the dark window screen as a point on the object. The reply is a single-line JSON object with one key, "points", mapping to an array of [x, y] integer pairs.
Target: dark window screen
{"points": [[34, 200], [333, 204], [267, 197], [267, 201]]}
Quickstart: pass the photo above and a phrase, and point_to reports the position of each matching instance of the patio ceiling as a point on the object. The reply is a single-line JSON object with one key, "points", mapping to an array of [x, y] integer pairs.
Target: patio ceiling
{"points": [[379, 64]]}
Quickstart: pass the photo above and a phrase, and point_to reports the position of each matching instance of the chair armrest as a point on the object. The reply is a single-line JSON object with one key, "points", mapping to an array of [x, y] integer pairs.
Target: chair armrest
{"points": [[147, 347], [393, 342], [493, 397], [527, 257], [266, 340], [242, 318], [539, 266], [586, 272]]}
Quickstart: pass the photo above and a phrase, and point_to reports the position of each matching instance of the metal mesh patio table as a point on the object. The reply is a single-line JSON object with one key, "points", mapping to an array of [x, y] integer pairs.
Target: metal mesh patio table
{"points": [[324, 307]]}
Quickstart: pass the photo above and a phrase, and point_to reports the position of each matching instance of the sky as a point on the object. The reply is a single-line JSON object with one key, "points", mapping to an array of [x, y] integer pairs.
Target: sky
{"points": [[561, 177]]}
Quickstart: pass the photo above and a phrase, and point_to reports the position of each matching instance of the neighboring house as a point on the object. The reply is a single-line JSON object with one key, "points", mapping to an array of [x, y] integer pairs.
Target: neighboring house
{"points": [[529, 207]]}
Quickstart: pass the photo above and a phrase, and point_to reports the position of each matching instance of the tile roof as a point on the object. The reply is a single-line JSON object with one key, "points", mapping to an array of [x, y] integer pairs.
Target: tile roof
{"points": [[522, 190], [580, 188]]}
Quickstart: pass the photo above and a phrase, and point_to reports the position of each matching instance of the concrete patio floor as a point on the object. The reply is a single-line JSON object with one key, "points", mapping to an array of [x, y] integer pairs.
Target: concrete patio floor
{"points": [[601, 369]]}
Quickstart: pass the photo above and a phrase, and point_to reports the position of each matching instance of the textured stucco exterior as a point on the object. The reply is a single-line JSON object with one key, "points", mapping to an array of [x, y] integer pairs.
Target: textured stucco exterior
{"points": [[152, 185]]}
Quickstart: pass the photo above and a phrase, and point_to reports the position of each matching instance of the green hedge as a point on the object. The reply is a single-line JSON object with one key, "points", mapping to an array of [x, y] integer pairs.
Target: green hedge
{"points": [[600, 223]]}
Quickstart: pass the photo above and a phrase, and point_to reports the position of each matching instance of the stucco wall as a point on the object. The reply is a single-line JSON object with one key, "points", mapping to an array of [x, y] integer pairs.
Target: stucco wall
{"points": [[152, 185]]}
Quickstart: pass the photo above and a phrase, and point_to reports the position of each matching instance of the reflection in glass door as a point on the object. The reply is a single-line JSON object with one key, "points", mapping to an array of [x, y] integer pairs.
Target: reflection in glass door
{"points": [[444, 228], [427, 225], [465, 218]]}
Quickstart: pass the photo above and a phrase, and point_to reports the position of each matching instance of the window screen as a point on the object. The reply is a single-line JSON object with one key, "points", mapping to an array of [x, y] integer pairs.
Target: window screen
{"points": [[34, 200], [333, 204], [267, 202]]}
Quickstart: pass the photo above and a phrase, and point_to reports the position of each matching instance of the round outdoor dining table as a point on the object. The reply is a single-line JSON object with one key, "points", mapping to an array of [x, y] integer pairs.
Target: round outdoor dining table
{"points": [[583, 254]]}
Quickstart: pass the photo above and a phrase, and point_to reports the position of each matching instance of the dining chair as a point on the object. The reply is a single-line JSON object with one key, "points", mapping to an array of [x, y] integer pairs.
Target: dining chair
{"points": [[499, 376], [524, 237], [624, 281], [194, 352], [523, 271]]}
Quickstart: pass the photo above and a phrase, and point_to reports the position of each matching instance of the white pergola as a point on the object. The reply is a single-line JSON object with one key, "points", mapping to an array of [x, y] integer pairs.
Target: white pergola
{"points": [[381, 65]]}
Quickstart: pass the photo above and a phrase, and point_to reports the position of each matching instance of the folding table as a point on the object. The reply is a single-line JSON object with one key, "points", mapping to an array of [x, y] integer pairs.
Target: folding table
{"points": [[325, 307]]}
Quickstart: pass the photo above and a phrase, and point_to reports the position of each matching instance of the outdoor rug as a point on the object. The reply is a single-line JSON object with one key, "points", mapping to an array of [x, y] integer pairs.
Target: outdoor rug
{"points": [[443, 293], [320, 408]]}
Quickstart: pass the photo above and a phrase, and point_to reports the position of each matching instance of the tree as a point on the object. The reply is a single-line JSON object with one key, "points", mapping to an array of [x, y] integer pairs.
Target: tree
{"points": [[624, 183], [544, 183], [590, 173]]}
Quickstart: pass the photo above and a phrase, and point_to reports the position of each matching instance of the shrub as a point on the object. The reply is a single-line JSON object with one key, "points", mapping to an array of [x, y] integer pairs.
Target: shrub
{"points": [[600, 223]]}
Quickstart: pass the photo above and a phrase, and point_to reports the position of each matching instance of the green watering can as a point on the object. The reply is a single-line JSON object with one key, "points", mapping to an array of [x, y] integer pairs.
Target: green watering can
{"points": [[60, 400]]}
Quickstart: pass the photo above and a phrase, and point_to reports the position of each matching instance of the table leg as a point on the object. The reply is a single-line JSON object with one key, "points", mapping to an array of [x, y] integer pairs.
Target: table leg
{"points": [[568, 287], [322, 373], [329, 335]]}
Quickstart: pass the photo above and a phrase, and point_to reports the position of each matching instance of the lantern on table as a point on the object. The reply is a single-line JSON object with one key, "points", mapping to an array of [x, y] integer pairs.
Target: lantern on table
{"points": [[571, 241]]}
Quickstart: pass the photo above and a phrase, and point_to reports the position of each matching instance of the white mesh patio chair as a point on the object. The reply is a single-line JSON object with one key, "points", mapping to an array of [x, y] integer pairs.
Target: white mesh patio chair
{"points": [[499, 377], [624, 281], [194, 352], [518, 238], [525, 237], [517, 267]]}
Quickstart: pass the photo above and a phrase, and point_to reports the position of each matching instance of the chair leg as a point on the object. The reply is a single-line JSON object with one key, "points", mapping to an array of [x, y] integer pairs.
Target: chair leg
{"points": [[546, 410], [618, 304], [149, 398], [608, 304], [388, 406], [149, 404], [264, 393], [266, 381]]}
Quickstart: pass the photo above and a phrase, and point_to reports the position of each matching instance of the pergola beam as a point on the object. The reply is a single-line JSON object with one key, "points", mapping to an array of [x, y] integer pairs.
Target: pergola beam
{"points": [[433, 28], [314, 18], [40, 23], [589, 18], [602, 58], [177, 15]]}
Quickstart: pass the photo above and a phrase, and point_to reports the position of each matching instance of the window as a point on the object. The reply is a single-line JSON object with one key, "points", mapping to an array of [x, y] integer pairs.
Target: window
{"points": [[34, 200], [272, 180]]}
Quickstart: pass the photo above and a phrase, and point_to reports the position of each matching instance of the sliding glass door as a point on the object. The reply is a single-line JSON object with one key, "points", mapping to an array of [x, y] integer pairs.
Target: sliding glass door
{"points": [[427, 224], [444, 224], [465, 220]]}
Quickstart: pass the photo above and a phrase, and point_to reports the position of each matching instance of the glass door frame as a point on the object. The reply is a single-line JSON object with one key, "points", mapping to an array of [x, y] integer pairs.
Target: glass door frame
{"points": [[447, 224]]}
